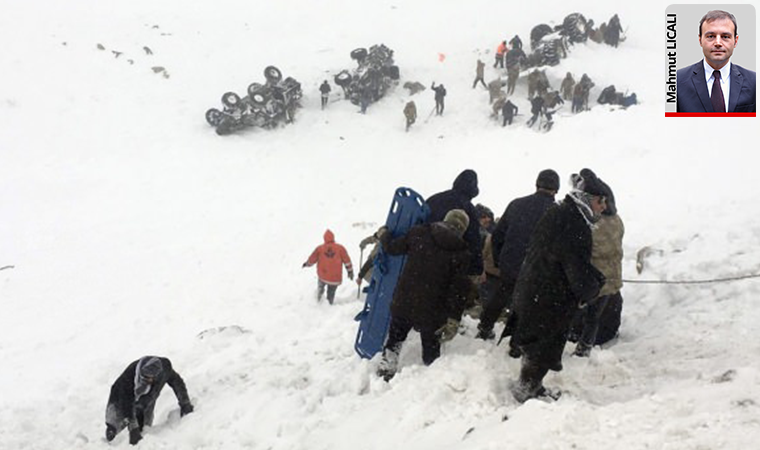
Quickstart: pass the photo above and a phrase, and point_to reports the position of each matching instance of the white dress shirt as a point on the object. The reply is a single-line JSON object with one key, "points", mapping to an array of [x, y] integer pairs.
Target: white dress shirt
{"points": [[725, 82]]}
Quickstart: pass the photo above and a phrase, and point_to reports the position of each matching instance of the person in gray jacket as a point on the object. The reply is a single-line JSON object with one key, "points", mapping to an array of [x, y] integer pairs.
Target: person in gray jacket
{"points": [[607, 256]]}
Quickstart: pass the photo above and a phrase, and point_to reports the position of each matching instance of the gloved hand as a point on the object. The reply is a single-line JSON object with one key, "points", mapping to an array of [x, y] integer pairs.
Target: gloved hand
{"points": [[381, 232], [367, 240], [350, 274], [110, 432], [134, 436], [448, 330], [306, 264], [185, 409]]}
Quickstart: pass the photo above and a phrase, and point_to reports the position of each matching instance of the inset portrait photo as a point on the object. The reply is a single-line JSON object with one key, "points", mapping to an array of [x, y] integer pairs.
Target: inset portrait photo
{"points": [[710, 67]]}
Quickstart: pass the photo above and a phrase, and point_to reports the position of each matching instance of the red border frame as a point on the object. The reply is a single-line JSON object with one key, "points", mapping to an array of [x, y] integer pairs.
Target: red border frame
{"points": [[672, 114]]}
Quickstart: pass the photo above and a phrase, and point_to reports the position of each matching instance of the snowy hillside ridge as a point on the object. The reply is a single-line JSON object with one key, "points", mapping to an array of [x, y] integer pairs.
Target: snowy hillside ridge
{"points": [[135, 230]]}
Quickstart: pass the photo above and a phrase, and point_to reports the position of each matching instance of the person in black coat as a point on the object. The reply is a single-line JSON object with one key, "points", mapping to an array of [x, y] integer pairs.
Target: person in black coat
{"points": [[134, 393], [510, 243], [516, 42], [440, 94], [536, 108], [325, 89], [460, 196], [508, 111], [556, 279], [432, 289]]}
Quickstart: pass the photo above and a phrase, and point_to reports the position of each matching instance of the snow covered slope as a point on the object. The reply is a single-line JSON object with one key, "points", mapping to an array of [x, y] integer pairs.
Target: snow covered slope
{"points": [[134, 229]]}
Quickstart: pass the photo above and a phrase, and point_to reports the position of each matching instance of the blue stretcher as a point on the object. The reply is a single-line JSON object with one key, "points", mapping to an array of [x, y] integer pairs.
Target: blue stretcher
{"points": [[407, 209]]}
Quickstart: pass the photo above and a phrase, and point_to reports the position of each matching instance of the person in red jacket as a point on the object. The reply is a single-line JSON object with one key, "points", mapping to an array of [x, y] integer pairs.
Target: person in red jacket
{"points": [[501, 52], [329, 258]]}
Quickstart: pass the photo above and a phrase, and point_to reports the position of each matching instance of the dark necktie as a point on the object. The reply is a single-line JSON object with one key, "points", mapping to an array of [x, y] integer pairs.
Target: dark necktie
{"points": [[716, 96]]}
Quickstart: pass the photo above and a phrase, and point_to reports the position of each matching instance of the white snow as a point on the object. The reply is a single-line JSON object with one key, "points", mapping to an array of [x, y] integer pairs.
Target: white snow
{"points": [[133, 228]]}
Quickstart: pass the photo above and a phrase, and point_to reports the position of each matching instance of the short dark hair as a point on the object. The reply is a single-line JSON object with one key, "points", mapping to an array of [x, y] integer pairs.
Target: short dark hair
{"points": [[717, 14]]}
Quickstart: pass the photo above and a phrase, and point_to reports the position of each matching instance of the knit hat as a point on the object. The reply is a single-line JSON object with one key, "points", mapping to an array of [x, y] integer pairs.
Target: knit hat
{"points": [[589, 183], [611, 209], [548, 179], [148, 368], [458, 219]]}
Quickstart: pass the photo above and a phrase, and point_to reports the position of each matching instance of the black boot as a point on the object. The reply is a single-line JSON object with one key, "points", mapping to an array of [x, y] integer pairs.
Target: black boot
{"points": [[485, 333], [388, 365], [530, 384], [583, 350]]}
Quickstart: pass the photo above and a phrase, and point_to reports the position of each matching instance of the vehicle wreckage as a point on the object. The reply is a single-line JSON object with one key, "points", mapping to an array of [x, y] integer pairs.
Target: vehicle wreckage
{"points": [[266, 106]]}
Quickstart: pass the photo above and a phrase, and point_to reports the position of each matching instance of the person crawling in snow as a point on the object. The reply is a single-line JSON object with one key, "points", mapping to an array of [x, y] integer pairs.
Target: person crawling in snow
{"points": [[330, 258], [134, 393], [433, 287]]}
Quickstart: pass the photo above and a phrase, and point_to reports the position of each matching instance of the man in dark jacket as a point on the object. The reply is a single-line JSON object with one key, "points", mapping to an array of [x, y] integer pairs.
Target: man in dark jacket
{"points": [[556, 278], [440, 94], [536, 108], [612, 33], [508, 111], [325, 89], [134, 393], [510, 242], [460, 196], [432, 289]]}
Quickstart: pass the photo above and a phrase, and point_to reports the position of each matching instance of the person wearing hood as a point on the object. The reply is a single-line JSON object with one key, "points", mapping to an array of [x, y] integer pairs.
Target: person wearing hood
{"points": [[134, 393], [607, 256], [555, 280], [432, 289], [464, 189], [330, 258]]}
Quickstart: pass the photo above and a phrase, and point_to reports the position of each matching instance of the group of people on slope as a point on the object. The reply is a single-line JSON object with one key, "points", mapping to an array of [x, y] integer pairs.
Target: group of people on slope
{"points": [[553, 267]]}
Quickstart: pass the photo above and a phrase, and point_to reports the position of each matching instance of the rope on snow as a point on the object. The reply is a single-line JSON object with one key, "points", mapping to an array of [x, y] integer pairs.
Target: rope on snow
{"points": [[713, 280]]}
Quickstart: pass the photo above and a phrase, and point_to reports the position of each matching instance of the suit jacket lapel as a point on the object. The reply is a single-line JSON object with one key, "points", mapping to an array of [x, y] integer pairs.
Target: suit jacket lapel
{"points": [[736, 87], [700, 85]]}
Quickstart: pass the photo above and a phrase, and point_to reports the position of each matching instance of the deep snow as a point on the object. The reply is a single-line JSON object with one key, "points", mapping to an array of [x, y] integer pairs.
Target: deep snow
{"points": [[133, 228]]}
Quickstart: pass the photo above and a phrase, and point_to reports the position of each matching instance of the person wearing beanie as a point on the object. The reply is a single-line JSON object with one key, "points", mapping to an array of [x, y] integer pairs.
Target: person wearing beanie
{"points": [[134, 394], [599, 321], [509, 242], [556, 278], [587, 189], [458, 220], [432, 289], [330, 258]]}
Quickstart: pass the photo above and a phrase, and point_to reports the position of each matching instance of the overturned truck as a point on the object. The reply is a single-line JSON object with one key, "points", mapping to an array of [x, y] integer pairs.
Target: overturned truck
{"points": [[266, 105], [375, 74], [551, 44]]}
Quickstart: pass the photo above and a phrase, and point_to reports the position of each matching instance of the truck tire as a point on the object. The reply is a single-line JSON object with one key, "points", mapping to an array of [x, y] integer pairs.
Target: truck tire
{"points": [[231, 100], [359, 54], [213, 117], [343, 78], [272, 74]]}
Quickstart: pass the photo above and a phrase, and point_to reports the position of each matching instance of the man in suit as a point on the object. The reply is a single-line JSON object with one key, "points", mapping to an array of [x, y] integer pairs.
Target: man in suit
{"points": [[697, 90]]}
